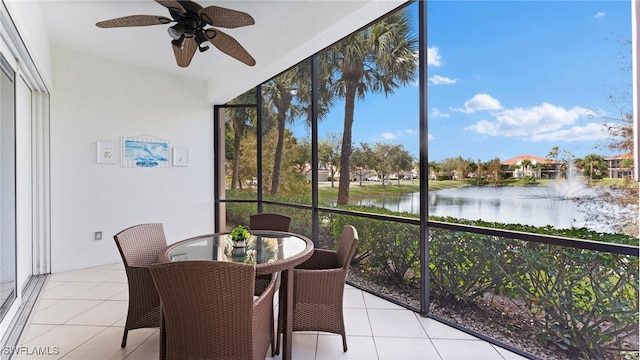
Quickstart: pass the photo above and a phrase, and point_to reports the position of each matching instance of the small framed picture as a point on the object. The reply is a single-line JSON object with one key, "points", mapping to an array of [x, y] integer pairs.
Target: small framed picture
{"points": [[180, 156], [106, 152], [145, 152]]}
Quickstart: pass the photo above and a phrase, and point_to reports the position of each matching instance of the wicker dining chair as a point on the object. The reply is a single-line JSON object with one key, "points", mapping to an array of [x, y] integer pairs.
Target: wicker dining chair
{"points": [[276, 222], [319, 288], [209, 310], [269, 221], [139, 246]]}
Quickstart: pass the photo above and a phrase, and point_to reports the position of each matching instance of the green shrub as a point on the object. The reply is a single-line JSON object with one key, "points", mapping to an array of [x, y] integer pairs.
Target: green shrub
{"points": [[463, 266], [583, 301], [386, 248], [238, 213]]}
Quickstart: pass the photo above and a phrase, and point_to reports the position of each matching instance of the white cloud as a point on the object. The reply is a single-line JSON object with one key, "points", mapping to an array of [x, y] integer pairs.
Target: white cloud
{"points": [[391, 136], [433, 56], [388, 136], [431, 137], [478, 103], [485, 127], [591, 131], [600, 14], [435, 113], [537, 123], [441, 80]]}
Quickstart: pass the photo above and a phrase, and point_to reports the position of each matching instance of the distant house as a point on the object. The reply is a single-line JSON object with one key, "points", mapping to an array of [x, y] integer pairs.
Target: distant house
{"points": [[618, 168], [538, 166], [324, 172]]}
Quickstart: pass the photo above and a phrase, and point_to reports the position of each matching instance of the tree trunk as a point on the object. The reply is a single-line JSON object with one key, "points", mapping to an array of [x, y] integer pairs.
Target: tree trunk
{"points": [[277, 161], [235, 176], [345, 155], [332, 174]]}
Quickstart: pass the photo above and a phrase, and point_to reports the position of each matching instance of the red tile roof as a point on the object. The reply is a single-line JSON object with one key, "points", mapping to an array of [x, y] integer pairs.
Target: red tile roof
{"points": [[531, 158], [623, 156]]}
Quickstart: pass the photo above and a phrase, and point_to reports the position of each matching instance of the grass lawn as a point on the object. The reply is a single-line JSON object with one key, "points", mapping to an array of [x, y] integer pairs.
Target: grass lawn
{"points": [[373, 189]]}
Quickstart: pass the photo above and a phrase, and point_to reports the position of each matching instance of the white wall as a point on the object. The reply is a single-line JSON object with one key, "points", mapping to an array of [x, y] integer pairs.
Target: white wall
{"points": [[94, 99], [29, 21]]}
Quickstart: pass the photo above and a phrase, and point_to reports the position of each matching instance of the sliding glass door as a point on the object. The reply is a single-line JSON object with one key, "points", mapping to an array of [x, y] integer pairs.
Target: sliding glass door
{"points": [[7, 188]]}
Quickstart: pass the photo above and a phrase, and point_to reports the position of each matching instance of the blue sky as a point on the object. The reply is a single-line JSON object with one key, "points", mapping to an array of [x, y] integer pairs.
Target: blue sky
{"points": [[508, 78]]}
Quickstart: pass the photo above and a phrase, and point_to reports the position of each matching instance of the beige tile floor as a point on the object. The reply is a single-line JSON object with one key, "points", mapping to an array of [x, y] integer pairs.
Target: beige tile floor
{"points": [[81, 315]]}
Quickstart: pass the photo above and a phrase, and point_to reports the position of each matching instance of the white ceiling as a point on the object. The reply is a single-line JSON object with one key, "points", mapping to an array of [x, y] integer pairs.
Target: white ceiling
{"points": [[285, 32]]}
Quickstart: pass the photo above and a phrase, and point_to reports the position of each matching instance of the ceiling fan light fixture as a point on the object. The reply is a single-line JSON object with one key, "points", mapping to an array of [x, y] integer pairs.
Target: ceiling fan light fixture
{"points": [[201, 38], [179, 42], [176, 31]]}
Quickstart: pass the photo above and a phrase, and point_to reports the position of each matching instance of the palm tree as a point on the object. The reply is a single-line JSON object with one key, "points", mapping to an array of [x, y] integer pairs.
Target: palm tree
{"points": [[241, 120], [525, 165], [594, 164], [289, 95], [278, 94], [379, 58]]}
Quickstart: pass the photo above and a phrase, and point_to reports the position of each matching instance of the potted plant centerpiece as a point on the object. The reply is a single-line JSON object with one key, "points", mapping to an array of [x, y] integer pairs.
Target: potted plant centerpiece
{"points": [[239, 236]]}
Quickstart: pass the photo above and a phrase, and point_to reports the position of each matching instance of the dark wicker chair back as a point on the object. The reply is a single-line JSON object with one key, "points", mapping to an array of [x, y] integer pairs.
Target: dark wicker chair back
{"points": [[347, 246], [269, 221], [209, 310], [319, 288], [139, 246]]}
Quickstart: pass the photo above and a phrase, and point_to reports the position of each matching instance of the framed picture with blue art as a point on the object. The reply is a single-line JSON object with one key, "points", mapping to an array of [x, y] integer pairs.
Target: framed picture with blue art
{"points": [[145, 151]]}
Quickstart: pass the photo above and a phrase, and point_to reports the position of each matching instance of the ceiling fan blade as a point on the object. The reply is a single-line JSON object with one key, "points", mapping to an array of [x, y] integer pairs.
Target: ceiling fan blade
{"points": [[229, 46], [184, 55], [134, 20], [226, 18], [171, 4]]}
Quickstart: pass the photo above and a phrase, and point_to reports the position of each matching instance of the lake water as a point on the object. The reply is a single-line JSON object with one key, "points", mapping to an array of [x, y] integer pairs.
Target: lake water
{"points": [[562, 206]]}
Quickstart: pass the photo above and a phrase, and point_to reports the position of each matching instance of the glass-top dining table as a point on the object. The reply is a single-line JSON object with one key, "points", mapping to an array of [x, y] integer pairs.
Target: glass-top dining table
{"points": [[270, 251]]}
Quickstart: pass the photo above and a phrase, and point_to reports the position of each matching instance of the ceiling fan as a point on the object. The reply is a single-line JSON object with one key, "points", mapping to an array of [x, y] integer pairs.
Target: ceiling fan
{"points": [[189, 31]]}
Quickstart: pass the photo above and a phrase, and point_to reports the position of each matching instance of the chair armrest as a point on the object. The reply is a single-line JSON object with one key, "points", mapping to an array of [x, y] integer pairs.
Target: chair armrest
{"points": [[319, 286], [138, 267], [269, 290], [263, 282], [321, 259], [137, 272]]}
